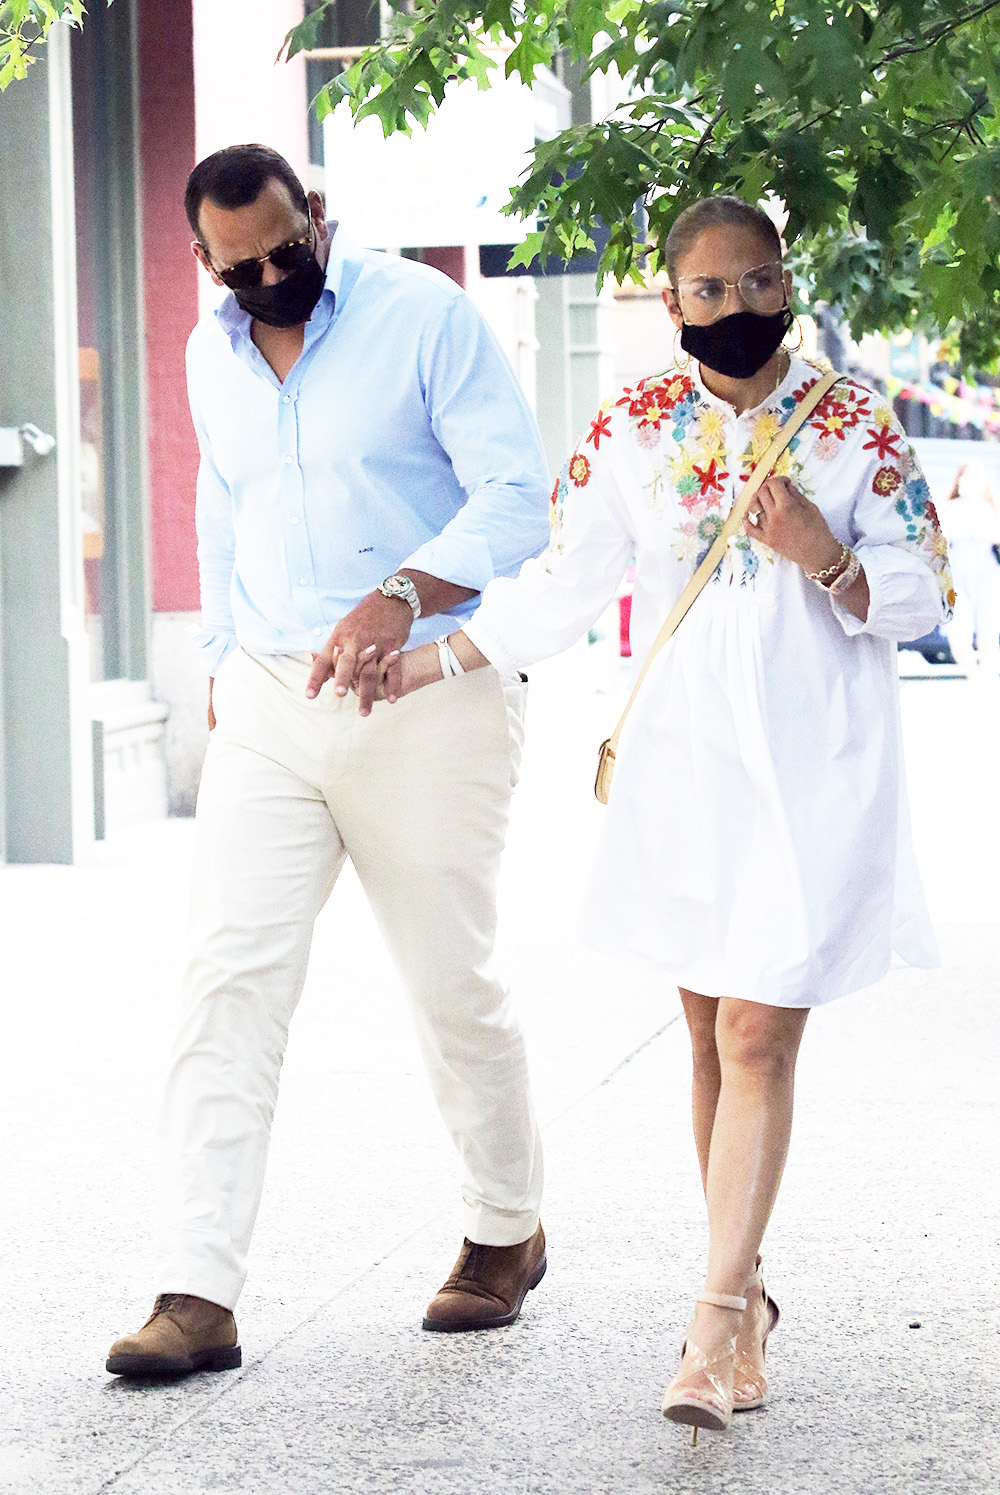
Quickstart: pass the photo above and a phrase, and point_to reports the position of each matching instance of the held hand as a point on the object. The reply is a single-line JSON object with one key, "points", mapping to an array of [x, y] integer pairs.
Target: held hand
{"points": [[790, 524], [211, 713], [362, 652]]}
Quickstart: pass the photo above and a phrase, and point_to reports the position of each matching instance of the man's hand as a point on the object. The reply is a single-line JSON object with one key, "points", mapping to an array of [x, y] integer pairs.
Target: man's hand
{"points": [[363, 651]]}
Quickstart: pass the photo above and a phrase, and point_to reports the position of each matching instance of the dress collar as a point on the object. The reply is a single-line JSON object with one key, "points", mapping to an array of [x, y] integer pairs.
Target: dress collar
{"points": [[799, 371]]}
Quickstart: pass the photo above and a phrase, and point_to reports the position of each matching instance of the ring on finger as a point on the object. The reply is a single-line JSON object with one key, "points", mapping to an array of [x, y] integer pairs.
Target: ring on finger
{"points": [[755, 516]]}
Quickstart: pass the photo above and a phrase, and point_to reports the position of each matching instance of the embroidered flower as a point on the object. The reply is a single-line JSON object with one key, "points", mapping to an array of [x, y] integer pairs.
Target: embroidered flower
{"points": [[883, 442], [599, 427], [647, 435], [886, 481], [710, 477], [579, 469], [826, 447]]}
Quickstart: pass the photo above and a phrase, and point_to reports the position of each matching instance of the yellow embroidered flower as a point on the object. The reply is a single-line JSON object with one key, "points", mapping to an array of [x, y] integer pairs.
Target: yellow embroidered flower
{"points": [[712, 425], [653, 411], [766, 429], [883, 416]]}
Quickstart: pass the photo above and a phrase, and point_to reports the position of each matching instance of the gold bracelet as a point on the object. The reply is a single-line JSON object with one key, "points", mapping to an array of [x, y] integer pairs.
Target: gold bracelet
{"points": [[831, 572]]}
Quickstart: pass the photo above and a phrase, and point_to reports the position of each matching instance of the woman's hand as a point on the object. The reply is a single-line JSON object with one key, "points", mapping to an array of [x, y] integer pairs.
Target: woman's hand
{"points": [[419, 667], [790, 524], [422, 666]]}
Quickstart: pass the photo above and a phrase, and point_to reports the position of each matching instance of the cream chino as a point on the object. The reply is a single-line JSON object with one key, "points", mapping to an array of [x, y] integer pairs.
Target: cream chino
{"points": [[417, 795]]}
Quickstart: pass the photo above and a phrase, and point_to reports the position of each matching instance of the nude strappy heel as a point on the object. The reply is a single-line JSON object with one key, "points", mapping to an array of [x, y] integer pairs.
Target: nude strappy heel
{"points": [[701, 1393], [749, 1379]]}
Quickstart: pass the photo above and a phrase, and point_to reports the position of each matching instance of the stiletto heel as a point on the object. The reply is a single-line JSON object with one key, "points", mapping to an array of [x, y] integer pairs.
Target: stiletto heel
{"points": [[701, 1393], [749, 1379]]}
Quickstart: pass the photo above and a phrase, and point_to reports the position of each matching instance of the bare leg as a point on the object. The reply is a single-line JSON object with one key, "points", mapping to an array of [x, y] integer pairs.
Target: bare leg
{"points": [[706, 1080], [758, 1047]]}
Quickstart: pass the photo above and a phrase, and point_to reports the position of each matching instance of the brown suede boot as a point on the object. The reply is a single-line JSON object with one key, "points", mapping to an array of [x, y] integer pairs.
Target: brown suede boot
{"points": [[181, 1335], [488, 1286]]}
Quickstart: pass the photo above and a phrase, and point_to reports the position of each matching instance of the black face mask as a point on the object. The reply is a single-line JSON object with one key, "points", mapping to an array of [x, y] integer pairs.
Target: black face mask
{"points": [[737, 346], [291, 301]]}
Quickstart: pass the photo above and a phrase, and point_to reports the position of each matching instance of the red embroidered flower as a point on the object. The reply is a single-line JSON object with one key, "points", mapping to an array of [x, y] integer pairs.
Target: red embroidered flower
{"points": [[709, 477], [579, 469], [652, 399], [839, 412], [554, 495], [932, 514], [598, 428], [800, 394], [882, 443], [886, 481]]}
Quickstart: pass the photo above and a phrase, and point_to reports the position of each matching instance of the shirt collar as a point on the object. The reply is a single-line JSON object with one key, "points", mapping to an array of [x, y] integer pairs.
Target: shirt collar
{"points": [[343, 266]]}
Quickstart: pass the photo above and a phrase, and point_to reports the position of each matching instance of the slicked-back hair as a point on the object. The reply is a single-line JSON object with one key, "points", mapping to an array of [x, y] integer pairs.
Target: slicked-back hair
{"points": [[713, 212], [235, 177]]}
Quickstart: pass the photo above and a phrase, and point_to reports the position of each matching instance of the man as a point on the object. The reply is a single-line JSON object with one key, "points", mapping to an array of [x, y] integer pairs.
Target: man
{"points": [[367, 464]]}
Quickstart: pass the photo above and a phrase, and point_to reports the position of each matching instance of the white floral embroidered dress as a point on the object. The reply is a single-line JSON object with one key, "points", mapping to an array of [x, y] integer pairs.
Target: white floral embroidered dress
{"points": [[757, 838]]}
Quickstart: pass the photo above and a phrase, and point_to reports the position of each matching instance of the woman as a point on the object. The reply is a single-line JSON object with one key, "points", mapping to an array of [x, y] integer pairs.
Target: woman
{"points": [[756, 844], [971, 522]]}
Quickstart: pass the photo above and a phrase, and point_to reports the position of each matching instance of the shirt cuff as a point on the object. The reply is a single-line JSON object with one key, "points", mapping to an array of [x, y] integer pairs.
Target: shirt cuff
{"points": [[904, 598], [505, 663], [213, 647], [465, 563]]}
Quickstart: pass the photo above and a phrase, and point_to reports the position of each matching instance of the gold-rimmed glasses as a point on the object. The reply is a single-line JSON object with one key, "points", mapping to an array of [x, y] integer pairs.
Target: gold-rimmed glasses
{"points": [[703, 298]]}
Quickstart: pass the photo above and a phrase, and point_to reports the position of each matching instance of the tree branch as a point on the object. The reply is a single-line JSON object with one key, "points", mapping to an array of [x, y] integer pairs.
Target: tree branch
{"points": [[935, 34]]}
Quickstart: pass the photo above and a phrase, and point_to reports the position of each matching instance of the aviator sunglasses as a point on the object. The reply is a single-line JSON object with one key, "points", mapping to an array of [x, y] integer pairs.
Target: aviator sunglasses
{"points": [[246, 275]]}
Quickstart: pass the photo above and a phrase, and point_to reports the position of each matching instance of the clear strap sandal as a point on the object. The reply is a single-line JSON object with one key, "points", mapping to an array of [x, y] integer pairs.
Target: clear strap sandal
{"points": [[749, 1377], [701, 1393]]}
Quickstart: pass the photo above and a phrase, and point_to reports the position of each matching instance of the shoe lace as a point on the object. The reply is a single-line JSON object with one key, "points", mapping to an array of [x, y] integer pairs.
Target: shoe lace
{"points": [[163, 1302]]}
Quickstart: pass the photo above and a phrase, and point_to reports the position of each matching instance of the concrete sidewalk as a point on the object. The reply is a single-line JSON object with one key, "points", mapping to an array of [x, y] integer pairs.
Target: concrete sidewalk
{"points": [[888, 1217]]}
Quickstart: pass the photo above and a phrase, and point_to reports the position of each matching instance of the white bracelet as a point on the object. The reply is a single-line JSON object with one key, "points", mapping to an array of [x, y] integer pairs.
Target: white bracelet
{"points": [[451, 665], [445, 657]]}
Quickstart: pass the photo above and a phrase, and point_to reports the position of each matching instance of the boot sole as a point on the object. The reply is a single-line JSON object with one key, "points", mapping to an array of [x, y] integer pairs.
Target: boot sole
{"points": [[500, 1321], [226, 1357]]}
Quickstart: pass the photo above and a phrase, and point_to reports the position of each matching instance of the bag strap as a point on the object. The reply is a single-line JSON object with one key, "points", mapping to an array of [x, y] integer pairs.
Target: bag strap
{"points": [[734, 519]]}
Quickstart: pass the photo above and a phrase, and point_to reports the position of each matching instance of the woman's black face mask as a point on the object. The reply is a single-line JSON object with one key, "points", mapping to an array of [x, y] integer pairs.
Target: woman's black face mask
{"points": [[737, 346]]}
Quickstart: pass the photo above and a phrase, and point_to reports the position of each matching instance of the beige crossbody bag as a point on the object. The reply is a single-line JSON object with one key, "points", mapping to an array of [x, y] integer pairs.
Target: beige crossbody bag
{"points": [[606, 761]]}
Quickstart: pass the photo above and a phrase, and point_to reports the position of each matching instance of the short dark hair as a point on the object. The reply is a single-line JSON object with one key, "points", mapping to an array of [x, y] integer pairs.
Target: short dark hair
{"points": [[709, 212], [235, 177]]}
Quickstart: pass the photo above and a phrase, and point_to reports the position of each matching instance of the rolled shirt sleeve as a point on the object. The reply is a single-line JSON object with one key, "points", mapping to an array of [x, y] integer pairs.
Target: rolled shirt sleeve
{"points": [[482, 420]]}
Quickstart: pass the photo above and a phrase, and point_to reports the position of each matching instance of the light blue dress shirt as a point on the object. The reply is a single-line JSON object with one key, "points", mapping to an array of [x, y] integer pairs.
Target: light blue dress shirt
{"points": [[399, 439]]}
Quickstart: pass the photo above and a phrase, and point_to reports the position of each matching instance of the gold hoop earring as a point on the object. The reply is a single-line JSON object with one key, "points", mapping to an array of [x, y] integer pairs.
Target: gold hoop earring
{"points": [[679, 363], [796, 347]]}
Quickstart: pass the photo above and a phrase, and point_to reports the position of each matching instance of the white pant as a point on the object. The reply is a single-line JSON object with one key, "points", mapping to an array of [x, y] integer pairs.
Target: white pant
{"points": [[417, 795]]}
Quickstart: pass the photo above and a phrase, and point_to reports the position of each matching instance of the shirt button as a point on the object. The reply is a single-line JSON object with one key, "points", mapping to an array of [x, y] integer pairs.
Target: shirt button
{"points": [[317, 631], [295, 518], [288, 399], [303, 582], [288, 461]]}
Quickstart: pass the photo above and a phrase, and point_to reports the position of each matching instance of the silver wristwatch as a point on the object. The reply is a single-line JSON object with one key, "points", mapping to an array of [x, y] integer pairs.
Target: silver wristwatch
{"points": [[402, 587]]}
